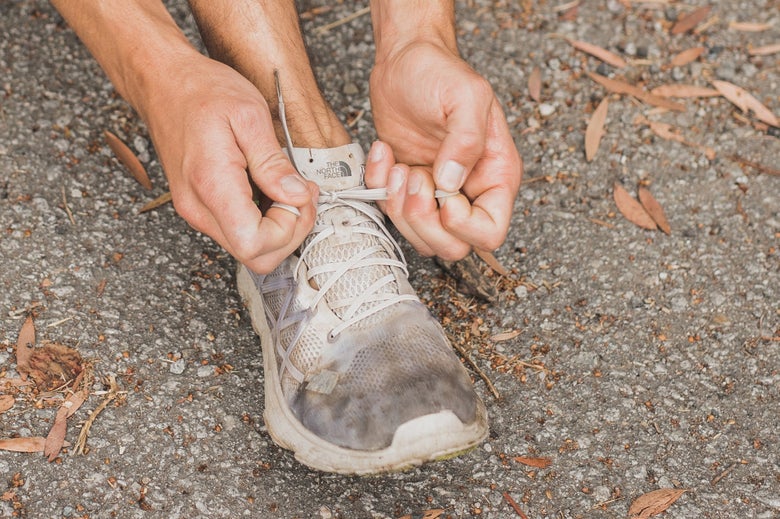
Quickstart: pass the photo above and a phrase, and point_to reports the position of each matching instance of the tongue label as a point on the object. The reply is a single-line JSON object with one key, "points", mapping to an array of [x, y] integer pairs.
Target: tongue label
{"points": [[332, 168], [336, 169]]}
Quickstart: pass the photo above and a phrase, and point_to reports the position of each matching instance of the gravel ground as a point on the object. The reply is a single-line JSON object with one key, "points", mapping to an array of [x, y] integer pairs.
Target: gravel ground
{"points": [[631, 359]]}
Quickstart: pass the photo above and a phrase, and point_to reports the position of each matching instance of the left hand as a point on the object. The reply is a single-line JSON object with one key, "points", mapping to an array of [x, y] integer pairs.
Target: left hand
{"points": [[443, 123]]}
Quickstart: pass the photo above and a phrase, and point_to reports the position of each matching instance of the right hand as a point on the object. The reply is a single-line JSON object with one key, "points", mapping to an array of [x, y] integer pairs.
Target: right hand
{"points": [[210, 126]]}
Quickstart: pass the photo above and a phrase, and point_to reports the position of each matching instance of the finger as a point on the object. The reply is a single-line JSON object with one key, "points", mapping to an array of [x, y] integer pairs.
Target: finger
{"points": [[268, 166], [466, 133], [380, 161], [394, 207], [421, 213], [493, 186], [249, 235]]}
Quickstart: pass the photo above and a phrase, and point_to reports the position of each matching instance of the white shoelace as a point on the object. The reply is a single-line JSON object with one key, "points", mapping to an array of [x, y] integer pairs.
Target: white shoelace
{"points": [[385, 253]]}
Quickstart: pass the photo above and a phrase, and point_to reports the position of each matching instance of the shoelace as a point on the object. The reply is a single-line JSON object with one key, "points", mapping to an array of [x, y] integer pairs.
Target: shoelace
{"points": [[386, 253]]}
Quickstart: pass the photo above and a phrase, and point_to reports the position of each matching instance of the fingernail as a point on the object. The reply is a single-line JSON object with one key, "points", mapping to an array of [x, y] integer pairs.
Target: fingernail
{"points": [[450, 176], [377, 152], [294, 185], [414, 184], [395, 179]]}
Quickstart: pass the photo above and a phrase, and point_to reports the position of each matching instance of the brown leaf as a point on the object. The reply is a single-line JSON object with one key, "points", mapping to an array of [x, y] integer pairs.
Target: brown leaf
{"points": [[670, 133], [34, 444], [750, 26], [631, 209], [539, 463], [505, 336], [491, 261], [595, 130], [535, 84], [6, 403], [56, 436], [654, 209], [691, 20], [128, 158], [745, 101], [54, 366], [765, 50], [655, 502], [24, 346], [687, 56], [603, 54], [681, 90], [157, 202], [621, 87]]}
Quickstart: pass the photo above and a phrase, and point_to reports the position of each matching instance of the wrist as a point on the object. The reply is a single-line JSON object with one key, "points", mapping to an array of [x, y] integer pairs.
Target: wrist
{"points": [[399, 23]]}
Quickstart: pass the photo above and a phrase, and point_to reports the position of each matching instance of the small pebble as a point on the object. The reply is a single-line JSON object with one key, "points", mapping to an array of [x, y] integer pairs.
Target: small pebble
{"points": [[350, 89], [177, 367], [205, 371], [546, 109]]}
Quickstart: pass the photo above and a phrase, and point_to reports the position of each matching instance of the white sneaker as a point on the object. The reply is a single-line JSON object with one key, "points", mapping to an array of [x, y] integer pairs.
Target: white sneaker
{"points": [[359, 377]]}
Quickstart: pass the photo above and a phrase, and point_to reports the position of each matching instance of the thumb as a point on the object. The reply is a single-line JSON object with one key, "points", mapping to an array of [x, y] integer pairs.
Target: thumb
{"points": [[268, 166], [464, 142]]}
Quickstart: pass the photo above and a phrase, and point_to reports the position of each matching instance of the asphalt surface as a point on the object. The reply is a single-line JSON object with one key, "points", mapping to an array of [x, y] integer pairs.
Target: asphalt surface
{"points": [[631, 359]]}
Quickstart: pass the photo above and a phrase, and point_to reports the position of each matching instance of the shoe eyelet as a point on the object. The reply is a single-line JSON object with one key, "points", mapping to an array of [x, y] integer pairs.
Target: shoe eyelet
{"points": [[332, 337]]}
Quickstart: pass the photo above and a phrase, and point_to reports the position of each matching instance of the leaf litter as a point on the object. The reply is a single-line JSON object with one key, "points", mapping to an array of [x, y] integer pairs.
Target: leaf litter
{"points": [[632, 210], [49, 373], [595, 129], [128, 159], [655, 502]]}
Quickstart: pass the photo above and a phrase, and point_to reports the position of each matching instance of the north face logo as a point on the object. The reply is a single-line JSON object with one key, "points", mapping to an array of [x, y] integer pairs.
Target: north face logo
{"points": [[336, 169]]}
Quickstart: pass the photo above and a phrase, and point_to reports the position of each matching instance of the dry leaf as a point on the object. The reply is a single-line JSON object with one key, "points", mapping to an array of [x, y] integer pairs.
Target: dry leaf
{"points": [[765, 50], [603, 54], [621, 87], [744, 101], [691, 20], [655, 502], [681, 90], [34, 444], [631, 209], [157, 202], [539, 463], [56, 438], [24, 347], [535, 84], [749, 26], [6, 403], [654, 209], [491, 261], [687, 56], [505, 336], [428, 514], [595, 129], [128, 158], [53, 366], [670, 133]]}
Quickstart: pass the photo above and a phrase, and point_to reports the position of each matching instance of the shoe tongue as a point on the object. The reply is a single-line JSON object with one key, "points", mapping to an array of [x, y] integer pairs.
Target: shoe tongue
{"points": [[333, 169]]}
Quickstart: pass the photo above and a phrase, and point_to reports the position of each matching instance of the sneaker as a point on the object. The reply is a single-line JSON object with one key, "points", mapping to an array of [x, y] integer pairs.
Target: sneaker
{"points": [[359, 377]]}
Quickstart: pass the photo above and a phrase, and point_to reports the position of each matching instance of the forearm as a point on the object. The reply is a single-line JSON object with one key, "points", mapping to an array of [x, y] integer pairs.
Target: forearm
{"points": [[399, 22], [135, 42], [257, 37]]}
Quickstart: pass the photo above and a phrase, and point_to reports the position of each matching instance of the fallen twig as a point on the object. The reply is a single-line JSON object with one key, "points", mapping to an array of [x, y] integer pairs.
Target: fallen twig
{"points": [[482, 375], [357, 14], [755, 165], [113, 392], [514, 505]]}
